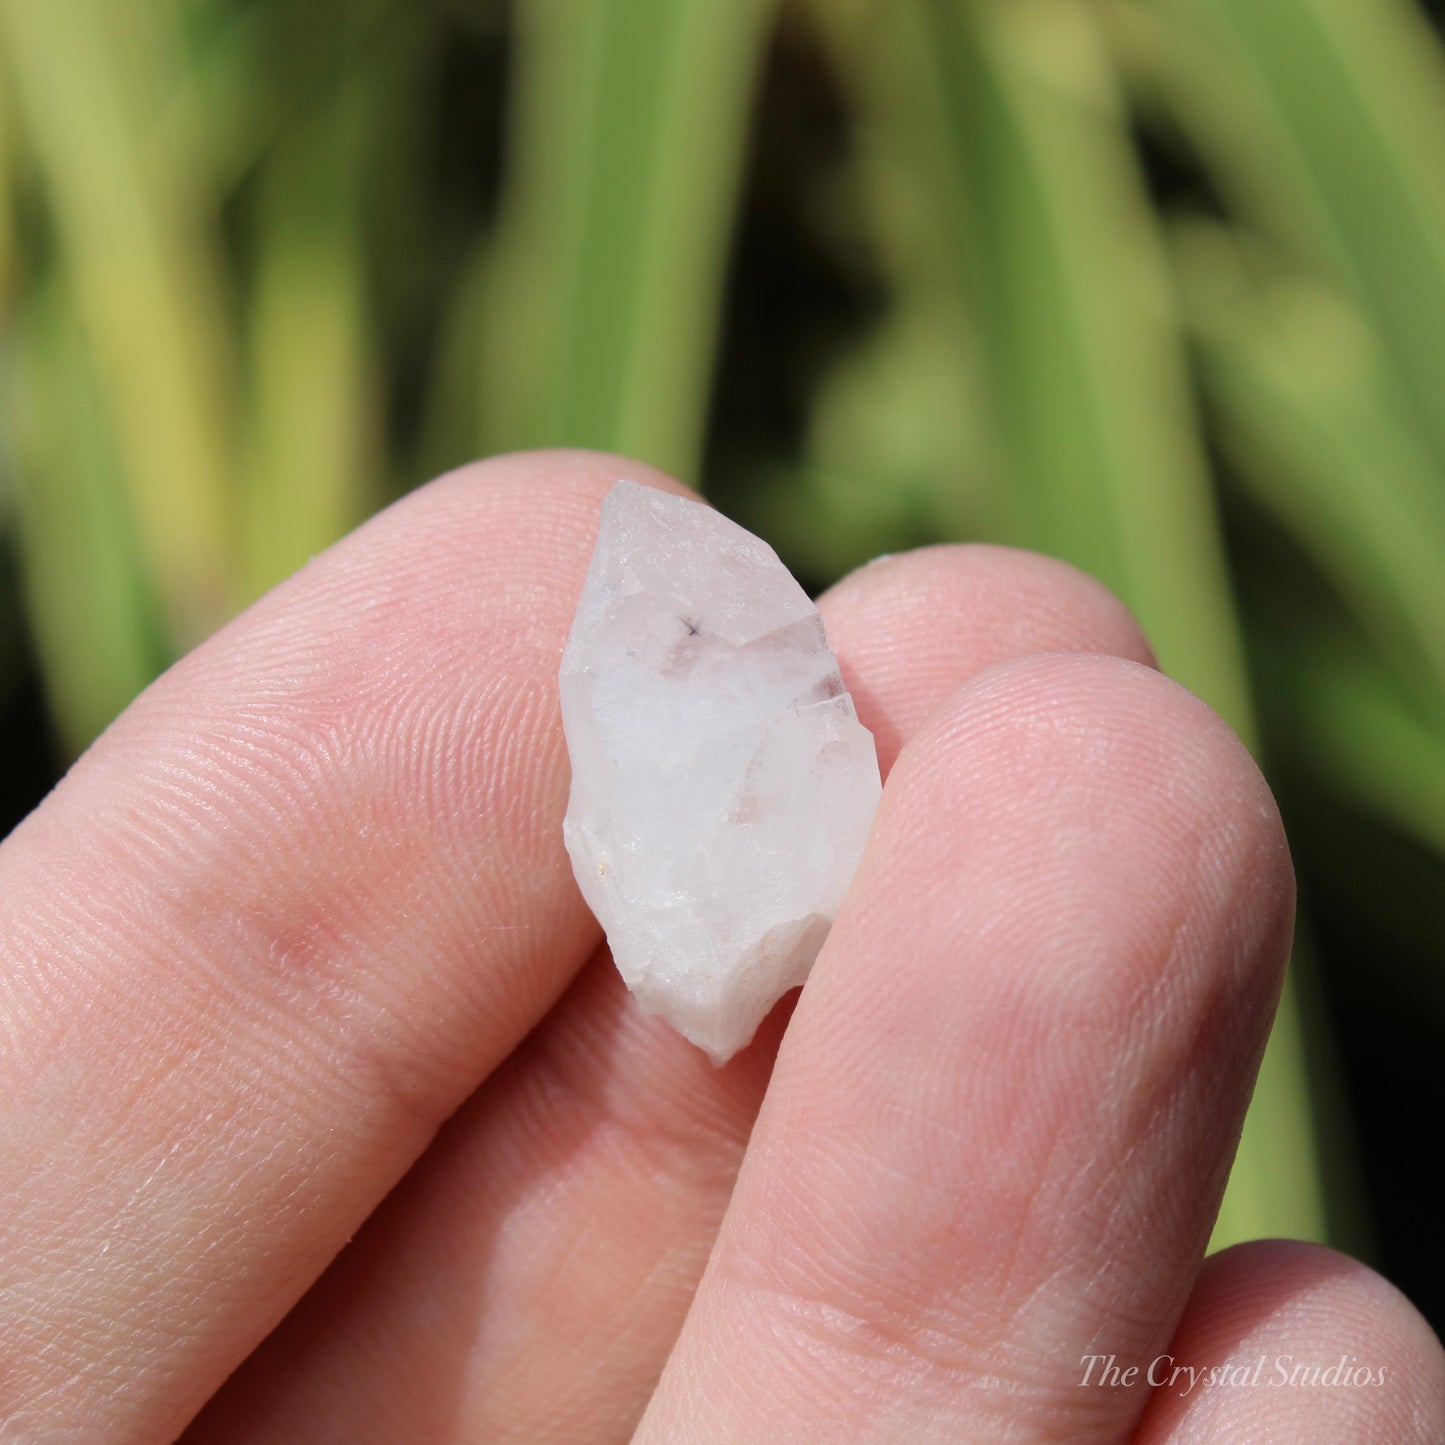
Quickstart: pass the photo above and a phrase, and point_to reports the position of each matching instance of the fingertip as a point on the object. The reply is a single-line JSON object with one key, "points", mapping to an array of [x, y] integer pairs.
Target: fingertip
{"points": [[1284, 1339], [1137, 801], [916, 624]]}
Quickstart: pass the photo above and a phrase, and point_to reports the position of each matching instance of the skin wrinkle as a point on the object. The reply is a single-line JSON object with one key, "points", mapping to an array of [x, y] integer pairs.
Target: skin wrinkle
{"points": [[130, 844], [860, 1286], [433, 766], [710, 1155], [527, 1132], [862, 1358], [856, 1347], [625, 1132], [1153, 1078]]}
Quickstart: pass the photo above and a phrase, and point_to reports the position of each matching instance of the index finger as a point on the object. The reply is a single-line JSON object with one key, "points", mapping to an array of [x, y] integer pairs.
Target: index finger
{"points": [[269, 933]]}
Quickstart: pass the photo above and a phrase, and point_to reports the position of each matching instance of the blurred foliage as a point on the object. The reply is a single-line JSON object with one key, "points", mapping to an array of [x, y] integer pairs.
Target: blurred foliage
{"points": [[1157, 286]]}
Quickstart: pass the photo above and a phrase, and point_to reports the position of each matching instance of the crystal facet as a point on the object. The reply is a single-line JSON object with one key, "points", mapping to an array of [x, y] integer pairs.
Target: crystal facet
{"points": [[722, 785]]}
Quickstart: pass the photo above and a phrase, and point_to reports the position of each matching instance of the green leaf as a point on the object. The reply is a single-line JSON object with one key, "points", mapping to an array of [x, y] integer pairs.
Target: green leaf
{"points": [[253, 73], [1357, 89], [92, 618], [628, 122], [1355, 729], [135, 243], [1320, 437], [313, 415], [1081, 355]]}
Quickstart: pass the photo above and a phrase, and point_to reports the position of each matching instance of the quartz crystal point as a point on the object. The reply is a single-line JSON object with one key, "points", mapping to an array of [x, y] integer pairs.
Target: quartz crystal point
{"points": [[722, 785]]}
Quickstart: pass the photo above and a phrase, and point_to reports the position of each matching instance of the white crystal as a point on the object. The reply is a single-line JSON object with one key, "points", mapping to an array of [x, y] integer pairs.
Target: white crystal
{"points": [[722, 785]]}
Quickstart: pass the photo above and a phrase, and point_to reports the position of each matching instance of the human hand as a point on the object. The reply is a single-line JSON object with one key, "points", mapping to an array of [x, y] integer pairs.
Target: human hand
{"points": [[294, 954]]}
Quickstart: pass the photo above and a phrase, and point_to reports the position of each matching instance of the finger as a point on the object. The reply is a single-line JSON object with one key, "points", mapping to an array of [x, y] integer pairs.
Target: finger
{"points": [[270, 931], [1290, 1341], [1002, 1118], [913, 627], [528, 1279]]}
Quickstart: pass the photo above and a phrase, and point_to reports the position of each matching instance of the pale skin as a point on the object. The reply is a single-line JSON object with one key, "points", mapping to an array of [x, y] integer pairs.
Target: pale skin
{"points": [[293, 958]]}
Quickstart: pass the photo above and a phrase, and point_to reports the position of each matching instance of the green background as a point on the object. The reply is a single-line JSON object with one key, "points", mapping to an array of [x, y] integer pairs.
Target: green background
{"points": [[1157, 286]]}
